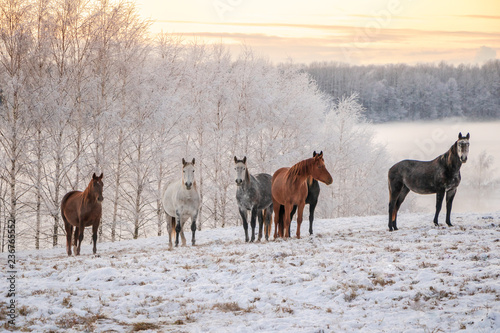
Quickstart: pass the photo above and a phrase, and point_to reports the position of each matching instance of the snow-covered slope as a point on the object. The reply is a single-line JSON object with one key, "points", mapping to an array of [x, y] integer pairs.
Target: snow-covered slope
{"points": [[352, 275]]}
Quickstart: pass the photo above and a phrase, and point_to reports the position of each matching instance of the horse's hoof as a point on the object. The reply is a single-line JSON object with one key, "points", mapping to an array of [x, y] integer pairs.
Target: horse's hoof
{"points": [[450, 225], [436, 224], [390, 229], [395, 229]]}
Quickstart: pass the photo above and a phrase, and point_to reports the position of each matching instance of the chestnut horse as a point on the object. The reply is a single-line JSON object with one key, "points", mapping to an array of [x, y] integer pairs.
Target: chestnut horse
{"points": [[82, 209], [289, 188]]}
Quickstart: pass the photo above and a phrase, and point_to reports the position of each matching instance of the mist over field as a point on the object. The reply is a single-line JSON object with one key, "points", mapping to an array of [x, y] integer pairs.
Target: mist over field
{"points": [[479, 190]]}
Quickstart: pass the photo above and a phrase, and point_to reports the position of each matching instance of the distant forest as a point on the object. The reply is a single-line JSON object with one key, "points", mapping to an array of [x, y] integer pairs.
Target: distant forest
{"points": [[399, 92]]}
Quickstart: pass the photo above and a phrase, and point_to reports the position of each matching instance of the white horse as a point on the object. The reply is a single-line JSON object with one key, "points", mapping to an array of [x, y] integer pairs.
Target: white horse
{"points": [[181, 201]]}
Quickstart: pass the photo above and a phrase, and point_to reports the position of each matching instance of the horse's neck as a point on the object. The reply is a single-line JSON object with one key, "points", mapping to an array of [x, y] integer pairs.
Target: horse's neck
{"points": [[451, 159], [299, 175], [88, 195], [248, 180]]}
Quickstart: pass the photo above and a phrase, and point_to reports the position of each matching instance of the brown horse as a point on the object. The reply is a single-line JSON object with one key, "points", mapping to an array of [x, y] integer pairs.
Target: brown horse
{"points": [[82, 209], [289, 188]]}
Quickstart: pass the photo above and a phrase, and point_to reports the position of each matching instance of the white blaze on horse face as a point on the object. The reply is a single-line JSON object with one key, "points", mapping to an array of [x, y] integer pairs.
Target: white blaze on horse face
{"points": [[188, 175], [240, 172], [463, 149]]}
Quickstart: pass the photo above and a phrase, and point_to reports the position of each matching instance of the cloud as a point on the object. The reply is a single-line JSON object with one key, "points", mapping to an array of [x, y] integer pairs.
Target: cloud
{"points": [[484, 54]]}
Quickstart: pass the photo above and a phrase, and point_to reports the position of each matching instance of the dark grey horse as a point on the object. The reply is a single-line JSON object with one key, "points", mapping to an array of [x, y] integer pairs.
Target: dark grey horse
{"points": [[254, 194], [440, 176], [311, 200]]}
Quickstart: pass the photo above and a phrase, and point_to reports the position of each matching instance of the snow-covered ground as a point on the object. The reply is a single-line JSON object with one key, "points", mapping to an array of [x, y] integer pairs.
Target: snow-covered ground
{"points": [[351, 276]]}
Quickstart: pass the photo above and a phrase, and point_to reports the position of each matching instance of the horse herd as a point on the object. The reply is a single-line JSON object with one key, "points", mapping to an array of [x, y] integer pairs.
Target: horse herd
{"points": [[284, 193]]}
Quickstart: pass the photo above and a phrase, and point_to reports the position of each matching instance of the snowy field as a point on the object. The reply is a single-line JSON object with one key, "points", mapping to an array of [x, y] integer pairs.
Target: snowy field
{"points": [[351, 276]]}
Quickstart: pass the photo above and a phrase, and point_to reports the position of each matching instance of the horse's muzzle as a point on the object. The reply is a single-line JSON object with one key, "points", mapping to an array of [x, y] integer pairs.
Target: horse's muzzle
{"points": [[463, 159], [239, 182], [100, 199], [188, 185]]}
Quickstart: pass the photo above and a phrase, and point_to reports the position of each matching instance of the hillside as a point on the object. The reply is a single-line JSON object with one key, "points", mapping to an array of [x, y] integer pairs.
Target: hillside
{"points": [[352, 275]]}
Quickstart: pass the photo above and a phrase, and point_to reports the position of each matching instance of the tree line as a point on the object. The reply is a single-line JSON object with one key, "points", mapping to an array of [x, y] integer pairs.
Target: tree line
{"points": [[84, 89], [398, 92]]}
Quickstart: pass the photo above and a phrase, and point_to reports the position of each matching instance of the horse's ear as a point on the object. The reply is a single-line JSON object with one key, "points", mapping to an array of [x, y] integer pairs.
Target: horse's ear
{"points": [[245, 160], [192, 161], [320, 154], [94, 176], [460, 137], [235, 159], [314, 153], [467, 136], [183, 162], [100, 177]]}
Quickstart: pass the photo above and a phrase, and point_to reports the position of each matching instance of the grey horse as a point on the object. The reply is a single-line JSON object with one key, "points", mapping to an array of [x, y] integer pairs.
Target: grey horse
{"points": [[254, 194], [440, 176]]}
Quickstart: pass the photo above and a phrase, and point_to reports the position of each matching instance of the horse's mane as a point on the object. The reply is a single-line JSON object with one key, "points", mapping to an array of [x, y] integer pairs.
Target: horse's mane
{"points": [[298, 169], [450, 155], [86, 192], [247, 175]]}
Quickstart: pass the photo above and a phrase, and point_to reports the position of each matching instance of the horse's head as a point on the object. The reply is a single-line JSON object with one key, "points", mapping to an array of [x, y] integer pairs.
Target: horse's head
{"points": [[188, 173], [463, 147], [319, 171], [96, 186], [241, 168]]}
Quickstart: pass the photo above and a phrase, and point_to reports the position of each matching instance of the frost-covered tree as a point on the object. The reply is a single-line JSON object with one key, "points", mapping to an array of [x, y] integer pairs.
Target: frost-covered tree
{"points": [[357, 165]]}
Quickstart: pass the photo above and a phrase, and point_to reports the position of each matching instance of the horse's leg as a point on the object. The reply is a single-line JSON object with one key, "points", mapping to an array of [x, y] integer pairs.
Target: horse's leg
{"points": [[402, 195], [312, 207], [95, 227], [178, 227], [278, 228], [394, 191], [253, 218], [276, 209], [243, 214], [449, 201], [260, 215], [81, 231], [269, 215], [69, 235], [439, 203], [294, 209], [183, 238], [193, 228], [286, 220], [300, 211], [75, 242], [170, 230]]}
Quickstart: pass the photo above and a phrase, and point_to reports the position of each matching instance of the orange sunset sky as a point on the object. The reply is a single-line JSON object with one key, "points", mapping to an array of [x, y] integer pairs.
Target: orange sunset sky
{"points": [[353, 31]]}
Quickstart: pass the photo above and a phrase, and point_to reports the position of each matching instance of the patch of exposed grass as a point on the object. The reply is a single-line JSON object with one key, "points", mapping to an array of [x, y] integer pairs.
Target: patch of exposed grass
{"points": [[144, 327], [85, 323], [227, 307], [66, 302]]}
